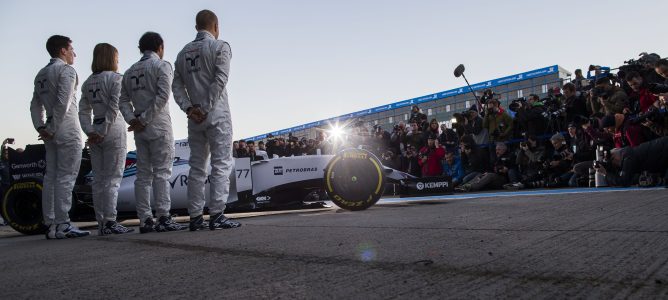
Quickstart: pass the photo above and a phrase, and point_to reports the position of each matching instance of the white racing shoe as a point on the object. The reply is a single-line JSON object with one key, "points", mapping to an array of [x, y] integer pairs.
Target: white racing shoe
{"points": [[51, 233], [68, 231]]}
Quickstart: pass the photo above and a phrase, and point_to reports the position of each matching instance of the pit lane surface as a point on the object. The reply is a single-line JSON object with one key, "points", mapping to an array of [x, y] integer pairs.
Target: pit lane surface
{"points": [[603, 244]]}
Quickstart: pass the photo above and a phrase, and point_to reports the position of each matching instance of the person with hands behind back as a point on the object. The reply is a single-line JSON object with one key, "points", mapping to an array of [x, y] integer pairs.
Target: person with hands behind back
{"points": [[101, 120]]}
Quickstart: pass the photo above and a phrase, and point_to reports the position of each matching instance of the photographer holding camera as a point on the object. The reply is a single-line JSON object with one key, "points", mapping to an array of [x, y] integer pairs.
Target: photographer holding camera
{"points": [[449, 139], [505, 170], [430, 157], [529, 160], [561, 162], [415, 137], [640, 98], [474, 159], [473, 126], [398, 138], [531, 116], [624, 132], [574, 104], [627, 164], [416, 115], [613, 98], [498, 123], [409, 162]]}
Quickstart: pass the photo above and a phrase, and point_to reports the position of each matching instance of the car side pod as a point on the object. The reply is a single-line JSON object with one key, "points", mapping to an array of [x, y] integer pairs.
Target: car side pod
{"points": [[354, 179]]}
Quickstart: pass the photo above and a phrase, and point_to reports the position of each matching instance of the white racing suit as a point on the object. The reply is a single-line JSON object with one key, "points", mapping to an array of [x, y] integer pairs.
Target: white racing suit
{"points": [[200, 79], [144, 96], [99, 113], [54, 94]]}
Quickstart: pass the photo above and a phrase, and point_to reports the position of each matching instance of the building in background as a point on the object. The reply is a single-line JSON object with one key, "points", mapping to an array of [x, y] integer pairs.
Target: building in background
{"points": [[441, 105]]}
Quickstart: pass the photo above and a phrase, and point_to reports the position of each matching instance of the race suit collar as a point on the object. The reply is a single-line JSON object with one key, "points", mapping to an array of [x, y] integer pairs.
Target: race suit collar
{"points": [[149, 54], [203, 34], [56, 60]]}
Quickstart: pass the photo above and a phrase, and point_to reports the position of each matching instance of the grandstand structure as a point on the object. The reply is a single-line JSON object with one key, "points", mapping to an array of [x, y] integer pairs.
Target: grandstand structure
{"points": [[440, 105]]}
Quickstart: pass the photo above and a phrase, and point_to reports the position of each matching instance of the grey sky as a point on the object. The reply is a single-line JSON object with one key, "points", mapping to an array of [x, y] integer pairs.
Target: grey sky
{"points": [[300, 61]]}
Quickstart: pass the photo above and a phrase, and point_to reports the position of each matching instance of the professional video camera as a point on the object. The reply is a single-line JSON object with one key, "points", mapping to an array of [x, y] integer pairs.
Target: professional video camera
{"points": [[515, 105], [487, 95], [655, 115], [461, 117]]}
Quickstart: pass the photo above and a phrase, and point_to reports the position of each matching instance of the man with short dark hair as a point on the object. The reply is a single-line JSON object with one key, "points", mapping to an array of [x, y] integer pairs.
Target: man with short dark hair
{"points": [[641, 99], [200, 90], [55, 96], [504, 171], [575, 105], [531, 116], [143, 103], [613, 98]]}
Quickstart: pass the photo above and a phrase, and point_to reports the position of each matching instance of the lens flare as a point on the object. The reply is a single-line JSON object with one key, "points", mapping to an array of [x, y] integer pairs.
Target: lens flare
{"points": [[336, 132], [366, 252]]}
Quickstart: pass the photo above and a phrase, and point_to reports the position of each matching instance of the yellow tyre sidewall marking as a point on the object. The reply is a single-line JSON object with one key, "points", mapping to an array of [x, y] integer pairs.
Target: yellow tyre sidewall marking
{"points": [[378, 185], [18, 186]]}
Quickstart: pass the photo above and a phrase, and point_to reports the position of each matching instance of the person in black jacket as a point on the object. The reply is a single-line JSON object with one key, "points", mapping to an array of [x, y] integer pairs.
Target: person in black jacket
{"points": [[474, 159], [626, 164], [504, 171], [531, 116], [576, 106]]}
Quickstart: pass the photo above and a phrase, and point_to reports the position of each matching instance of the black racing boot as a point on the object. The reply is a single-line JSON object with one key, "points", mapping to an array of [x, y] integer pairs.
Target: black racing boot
{"points": [[147, 226], [197, 223], [219, 221], [165, 223]]}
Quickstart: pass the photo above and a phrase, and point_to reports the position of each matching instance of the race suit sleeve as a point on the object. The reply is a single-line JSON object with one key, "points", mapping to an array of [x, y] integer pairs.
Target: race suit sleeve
{"points": [[36, 109], [179, 88], [164, 87], [86, 113], [223, 55], [113, 105], [66, 85], [125, 104]]}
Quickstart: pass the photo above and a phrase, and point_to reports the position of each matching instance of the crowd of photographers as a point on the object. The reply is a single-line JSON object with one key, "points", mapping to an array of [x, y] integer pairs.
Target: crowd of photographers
{"points": [[533, 143]]}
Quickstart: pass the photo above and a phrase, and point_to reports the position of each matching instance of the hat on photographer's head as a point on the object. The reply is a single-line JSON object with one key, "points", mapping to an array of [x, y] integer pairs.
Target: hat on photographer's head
{"points": [[473, 108], [572, 125], [557, 137], [608, 121]]}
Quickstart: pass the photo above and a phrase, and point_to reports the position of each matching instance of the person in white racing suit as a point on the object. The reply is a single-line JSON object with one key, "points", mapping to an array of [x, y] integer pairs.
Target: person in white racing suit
{"points": [[55, 95], [200, 80], [143, 103], [105, 129]]}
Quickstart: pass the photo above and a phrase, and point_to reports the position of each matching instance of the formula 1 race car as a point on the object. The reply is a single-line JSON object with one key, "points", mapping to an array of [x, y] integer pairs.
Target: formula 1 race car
{"points": [[353, 179]]}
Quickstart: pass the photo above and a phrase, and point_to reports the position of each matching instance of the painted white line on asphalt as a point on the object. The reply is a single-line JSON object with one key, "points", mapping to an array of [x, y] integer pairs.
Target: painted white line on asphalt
{"points": [[514, 194]]}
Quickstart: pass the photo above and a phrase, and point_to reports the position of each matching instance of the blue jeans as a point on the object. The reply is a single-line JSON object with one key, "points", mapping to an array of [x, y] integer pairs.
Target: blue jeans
{"points": [[470, 177]]}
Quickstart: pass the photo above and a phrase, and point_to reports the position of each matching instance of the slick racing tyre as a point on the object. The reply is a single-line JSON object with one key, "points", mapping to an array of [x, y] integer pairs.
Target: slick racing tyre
{"points": [[22, 207], [354, 179]]}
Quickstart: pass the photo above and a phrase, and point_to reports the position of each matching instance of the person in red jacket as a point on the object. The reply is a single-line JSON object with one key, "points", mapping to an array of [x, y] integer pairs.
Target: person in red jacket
{"points": [[640, 92], [430, 157]]}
